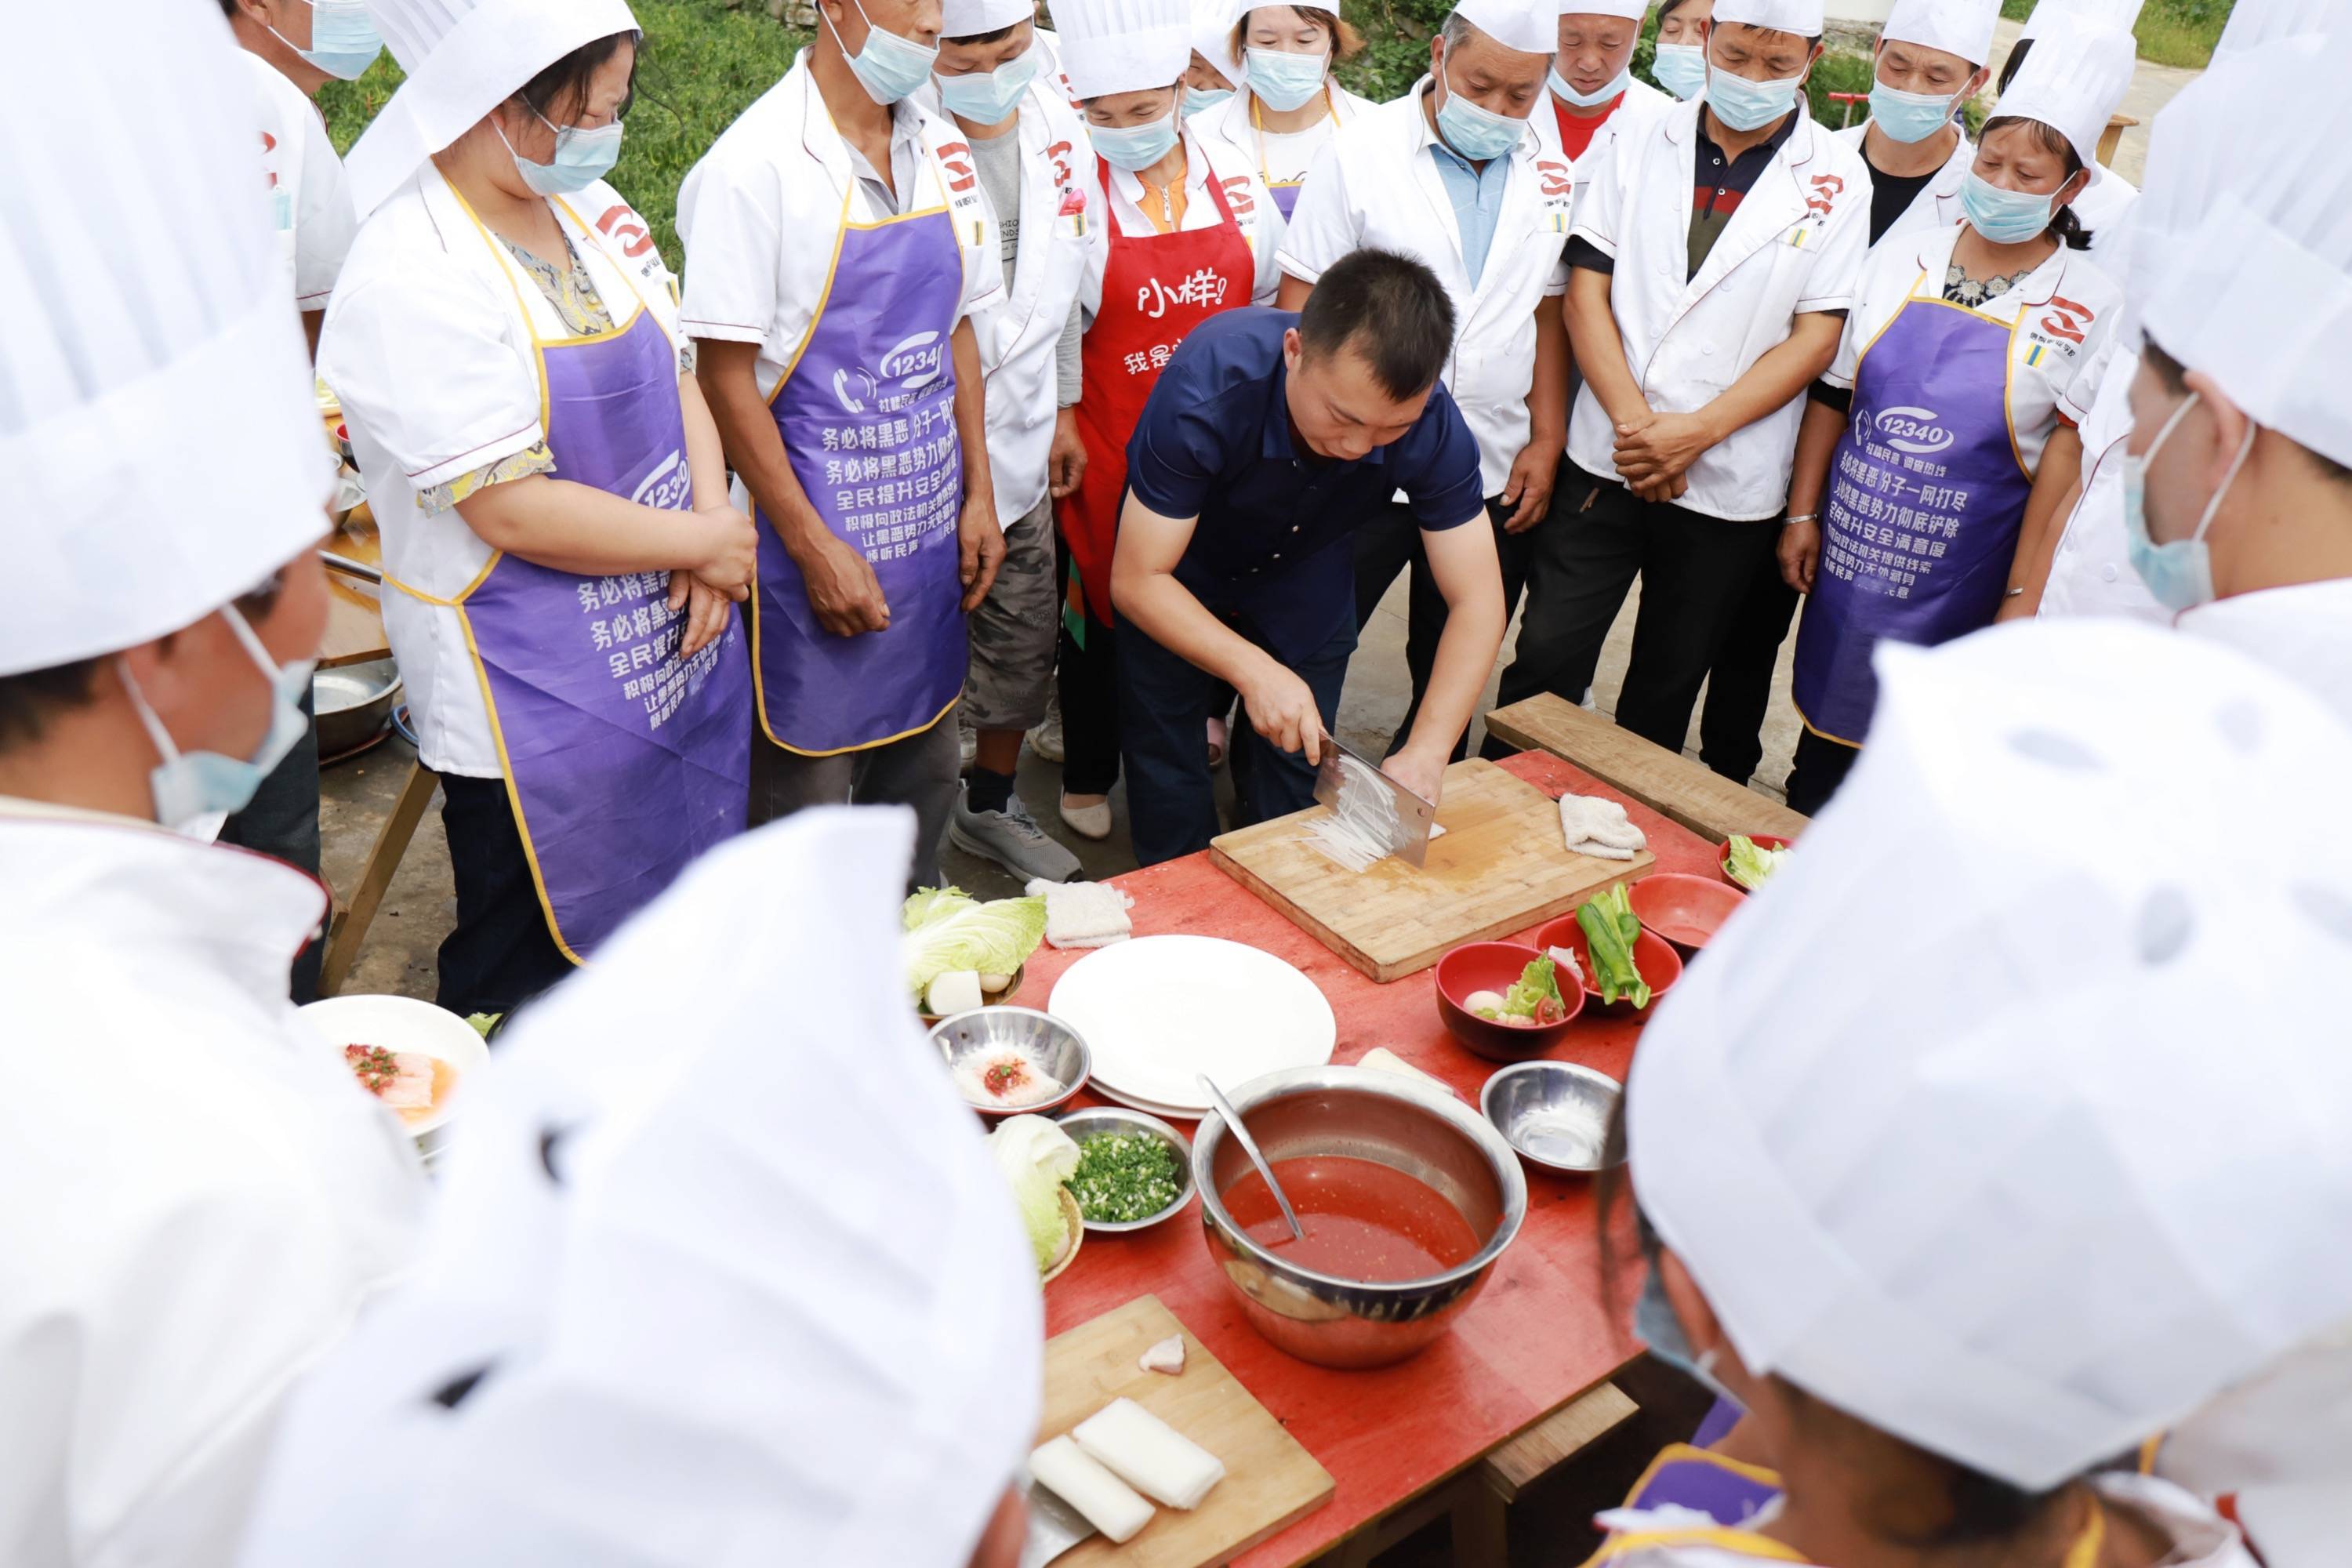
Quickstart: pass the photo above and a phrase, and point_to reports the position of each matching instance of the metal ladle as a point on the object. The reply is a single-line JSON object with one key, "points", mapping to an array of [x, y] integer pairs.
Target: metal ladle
{"points": [[1249, 1146]]}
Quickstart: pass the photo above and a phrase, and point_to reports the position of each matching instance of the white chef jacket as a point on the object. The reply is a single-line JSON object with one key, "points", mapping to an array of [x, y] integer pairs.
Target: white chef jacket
{"points": [[2303, 631], [1254, 210], [2060, 317], [1061, 223], [429, 347], [761, 213], [2089, 573], [1641, 103], [1280, 158], [1378, 185], [2104, 208], [1937, 204], [1795, 244], [308, 199], [197, 1195]]}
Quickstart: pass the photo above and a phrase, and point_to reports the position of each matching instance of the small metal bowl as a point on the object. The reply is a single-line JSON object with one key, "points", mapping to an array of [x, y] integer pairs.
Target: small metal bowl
{"points": [[1084, 1124], [1557, 1115], [1053, 1045], [354, 704]]}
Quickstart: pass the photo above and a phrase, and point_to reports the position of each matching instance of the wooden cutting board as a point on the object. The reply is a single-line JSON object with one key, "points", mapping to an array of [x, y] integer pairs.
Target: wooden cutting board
{"points": [[1499, 868], [1270, 1481]]}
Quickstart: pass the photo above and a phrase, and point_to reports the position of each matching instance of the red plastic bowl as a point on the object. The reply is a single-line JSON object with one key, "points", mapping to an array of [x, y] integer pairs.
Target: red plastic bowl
{"points": [[1660, 964], [1761, 841], [1494, 966], [1684, 909]]}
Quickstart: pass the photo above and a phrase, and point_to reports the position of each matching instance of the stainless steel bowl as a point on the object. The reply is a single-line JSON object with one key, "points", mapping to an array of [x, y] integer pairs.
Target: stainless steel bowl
{"points": [[1361, 1114], [1053, 1045], [1557, 1115], [1082, 1125], [354, 704]]}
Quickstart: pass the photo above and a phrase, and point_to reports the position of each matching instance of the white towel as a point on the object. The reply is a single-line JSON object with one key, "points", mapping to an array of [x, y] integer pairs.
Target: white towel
{"points": [[1599, 828], [1083, 914]]}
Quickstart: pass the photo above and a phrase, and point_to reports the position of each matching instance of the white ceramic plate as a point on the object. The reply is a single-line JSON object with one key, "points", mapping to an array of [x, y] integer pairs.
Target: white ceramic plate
{"points": [[400, 1024], [1159, 1010]]}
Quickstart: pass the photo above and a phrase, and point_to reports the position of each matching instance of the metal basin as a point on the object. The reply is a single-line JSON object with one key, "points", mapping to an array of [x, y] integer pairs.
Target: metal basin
{"points": [[1558, 1115], [354, 704], [1365, 1115], [1053, 1046]]}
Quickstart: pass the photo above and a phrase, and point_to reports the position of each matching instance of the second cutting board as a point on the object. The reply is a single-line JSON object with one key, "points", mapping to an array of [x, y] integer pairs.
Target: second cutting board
{"points": [[1500, 867]]}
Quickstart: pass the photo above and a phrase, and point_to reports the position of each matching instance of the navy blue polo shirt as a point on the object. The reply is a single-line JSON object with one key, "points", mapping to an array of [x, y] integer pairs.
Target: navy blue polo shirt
{"points": [[1272, 544]]}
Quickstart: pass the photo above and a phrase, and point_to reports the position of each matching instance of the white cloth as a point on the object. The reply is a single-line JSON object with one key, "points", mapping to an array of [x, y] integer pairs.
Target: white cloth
{"points": [[463, 59], [2251, 26], [1378, 185], [1213, 38], [1280, 157], [309, 201], [1937, 204], [2060, 317], [2089, 573], [1795, 244], [1802, 17], [1123, 46], [1531, 27], [2282, 1442], [669, 1316], [1630, 10], [1962, 28], [2104, 208], [1987, 1184], [2303, 631], [429, 344], [2072, 81], [157, 431], [1083, 914], [2120, 13], [1589, 824], [197, 1195], [1254, 210], [966, 18]]}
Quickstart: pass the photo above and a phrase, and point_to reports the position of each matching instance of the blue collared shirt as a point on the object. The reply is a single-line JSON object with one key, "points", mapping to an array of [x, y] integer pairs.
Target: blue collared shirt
{"points": [[1272, 545], [1477, 199]]}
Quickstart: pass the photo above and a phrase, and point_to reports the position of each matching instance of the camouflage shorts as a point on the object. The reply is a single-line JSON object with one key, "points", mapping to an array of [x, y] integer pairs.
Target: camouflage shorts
{"points": [[1014, 630]]}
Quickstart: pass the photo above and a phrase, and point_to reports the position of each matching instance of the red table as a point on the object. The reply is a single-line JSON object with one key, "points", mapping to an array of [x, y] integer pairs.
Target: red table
{"points": [[1540, 1334]]}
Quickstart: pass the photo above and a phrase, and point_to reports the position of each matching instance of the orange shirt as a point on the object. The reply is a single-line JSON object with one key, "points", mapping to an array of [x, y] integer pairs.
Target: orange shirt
{"points": [[1576, 132], [1164, 205]]}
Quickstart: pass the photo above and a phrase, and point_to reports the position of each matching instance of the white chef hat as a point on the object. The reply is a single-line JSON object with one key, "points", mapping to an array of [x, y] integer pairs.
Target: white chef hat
{"points": [[2281, 1443], [1213, 35], [464, 57], [1962, 28], [2258, 292], [2073, 80], [968, 19], [733, 1284], [2251, 26], [1630, 10], [2106, 13], [160, 448], [1531, 27], [1802, 17], [2009, 1117], [1123, 45]]}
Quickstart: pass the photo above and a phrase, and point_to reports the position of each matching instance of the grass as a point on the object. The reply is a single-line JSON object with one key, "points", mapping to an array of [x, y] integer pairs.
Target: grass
{"points": [[2169, 32]]}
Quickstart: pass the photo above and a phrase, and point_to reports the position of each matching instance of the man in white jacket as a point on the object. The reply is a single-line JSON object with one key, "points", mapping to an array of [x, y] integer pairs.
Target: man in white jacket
{"points": [[196, 1195]]}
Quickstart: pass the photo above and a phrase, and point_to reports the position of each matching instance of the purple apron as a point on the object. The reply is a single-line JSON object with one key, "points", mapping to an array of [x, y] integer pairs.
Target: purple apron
{"points": [[623, 763], [867, 415], [1926, 494], [1725, 1491]]}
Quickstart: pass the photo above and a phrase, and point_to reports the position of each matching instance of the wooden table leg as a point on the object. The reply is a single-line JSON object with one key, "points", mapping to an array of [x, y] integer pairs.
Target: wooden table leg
{"points": [[351, 925]]}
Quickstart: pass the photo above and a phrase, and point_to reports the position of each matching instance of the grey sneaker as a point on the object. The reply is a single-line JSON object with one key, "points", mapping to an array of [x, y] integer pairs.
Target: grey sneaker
{"points": [[1046, 740], [1011, 838]]}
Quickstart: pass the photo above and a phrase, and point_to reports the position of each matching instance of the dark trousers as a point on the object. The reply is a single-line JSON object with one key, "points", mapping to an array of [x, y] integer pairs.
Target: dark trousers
{"points": [[282, 820], [1696, 572], [1087, 680], [500, 954], [1740, 683], [917, 770], [1164, 701], [1820, 768], [1391, 543]]}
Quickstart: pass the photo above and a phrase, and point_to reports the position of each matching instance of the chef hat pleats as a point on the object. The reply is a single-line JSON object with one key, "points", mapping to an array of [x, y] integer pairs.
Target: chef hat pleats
{"points": [[1802, 17], [1213, 35], [464, 57], [733, 1280], [2251, 26], [160, 449], [1531, 28], [1976, 1121], [1630, 10], [2072, 81], [970, 18], [1962, 28], [2119, 14], [1123, 45], [2257, 292]]}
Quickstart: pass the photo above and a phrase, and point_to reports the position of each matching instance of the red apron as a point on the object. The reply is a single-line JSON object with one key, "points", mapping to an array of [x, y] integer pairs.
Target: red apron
{"points": [[1175, 280]]}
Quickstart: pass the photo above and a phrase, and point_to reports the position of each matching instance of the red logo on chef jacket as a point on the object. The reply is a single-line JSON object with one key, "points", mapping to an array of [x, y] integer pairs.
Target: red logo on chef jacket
{"points": [[1827, 188], [1237, 196], [1552, 177], [956, 158], [2067, 320], [1060, 152], [620, 223]]}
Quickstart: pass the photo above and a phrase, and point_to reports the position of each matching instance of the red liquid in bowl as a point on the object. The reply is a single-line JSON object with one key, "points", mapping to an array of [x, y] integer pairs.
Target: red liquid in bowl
{"points": [[1363, 1220]]}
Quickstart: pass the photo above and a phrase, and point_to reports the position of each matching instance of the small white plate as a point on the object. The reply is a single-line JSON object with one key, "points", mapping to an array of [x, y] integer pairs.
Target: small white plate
{"points": [[401, 1023], [1159, 1011]]}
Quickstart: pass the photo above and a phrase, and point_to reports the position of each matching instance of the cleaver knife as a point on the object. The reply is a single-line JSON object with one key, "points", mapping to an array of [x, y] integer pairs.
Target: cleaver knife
{"points": [[1414, 815]]}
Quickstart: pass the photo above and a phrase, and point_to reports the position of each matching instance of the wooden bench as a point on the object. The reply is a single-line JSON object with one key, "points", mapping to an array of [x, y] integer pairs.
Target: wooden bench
{"points": [[1666, 782]]}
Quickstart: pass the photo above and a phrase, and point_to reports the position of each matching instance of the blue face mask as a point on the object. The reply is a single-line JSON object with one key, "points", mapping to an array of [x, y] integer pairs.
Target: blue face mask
{"points": [[2180, 576], [1747, 105], [890, 66], [343, 42], [582, 157], [1609, 89], [985, 98], [187, 785], [2004, 217], [1681, 69], [1284, 81], [1478, 134], [1134, 147], [1908, 117], [1198, 99], [1656, 1325]]}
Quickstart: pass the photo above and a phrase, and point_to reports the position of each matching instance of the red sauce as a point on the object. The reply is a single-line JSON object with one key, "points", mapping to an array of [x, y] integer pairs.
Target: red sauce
{"points": [[1363, 1220]]}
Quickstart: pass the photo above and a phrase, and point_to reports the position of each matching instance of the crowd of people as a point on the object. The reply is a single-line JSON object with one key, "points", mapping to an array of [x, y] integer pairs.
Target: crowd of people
{"points": [[1087, 389]]}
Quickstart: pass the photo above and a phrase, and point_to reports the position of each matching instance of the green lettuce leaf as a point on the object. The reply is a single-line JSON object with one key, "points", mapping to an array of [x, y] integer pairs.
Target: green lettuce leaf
{"points": [[1539, 981], [995, 937], [1751, 864], [929, 904], [1036, 1157], [1611, 928]]}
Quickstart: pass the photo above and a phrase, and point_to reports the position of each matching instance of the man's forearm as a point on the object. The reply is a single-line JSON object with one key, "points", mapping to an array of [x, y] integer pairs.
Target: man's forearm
{"points": [[1457, 677], [754, 446], [1165, 610], [1548, 396], [1601, 348], [971, 415], [1777, 377]]}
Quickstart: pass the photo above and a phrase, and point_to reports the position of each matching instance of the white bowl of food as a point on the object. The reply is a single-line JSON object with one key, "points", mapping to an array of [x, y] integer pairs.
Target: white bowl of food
{"points": [[410, 1054]]}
